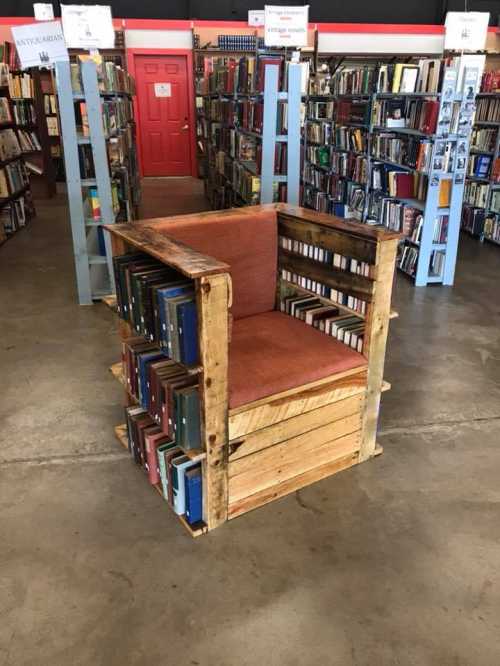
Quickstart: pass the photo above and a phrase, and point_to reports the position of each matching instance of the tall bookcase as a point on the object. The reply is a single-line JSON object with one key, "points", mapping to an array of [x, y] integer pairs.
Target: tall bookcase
{"points": [[16, 206], [481, 207], [231, 179], [377, 146], [113, 193]]}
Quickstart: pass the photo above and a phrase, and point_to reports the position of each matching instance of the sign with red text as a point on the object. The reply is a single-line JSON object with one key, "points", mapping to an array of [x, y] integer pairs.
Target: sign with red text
{"points": [[285, 26]]}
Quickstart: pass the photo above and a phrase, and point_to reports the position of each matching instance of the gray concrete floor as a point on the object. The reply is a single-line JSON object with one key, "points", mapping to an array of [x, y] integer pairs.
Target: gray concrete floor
{"points": [[394, 562]]}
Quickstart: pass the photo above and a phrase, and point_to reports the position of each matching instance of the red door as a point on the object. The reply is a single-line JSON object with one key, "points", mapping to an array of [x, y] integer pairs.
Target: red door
{"points": [[163, 98]]}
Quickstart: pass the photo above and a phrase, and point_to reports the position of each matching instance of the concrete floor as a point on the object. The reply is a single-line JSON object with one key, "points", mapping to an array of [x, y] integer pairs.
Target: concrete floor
{"points": [[394, 562]]}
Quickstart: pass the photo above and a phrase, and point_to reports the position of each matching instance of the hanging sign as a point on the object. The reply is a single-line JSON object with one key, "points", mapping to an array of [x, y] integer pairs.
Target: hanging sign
{"points": [[285, 26], [466, 31], [43, 11], [256, 18], [88, 26], [39, 44], [163, 90]]}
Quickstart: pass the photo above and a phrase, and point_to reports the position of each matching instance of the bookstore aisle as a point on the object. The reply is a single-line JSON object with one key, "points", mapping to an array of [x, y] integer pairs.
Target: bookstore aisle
{"points": [[367, 566]]}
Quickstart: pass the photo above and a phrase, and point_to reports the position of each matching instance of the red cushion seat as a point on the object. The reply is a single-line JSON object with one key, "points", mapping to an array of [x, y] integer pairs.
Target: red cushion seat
{"points": [[273, 352]]}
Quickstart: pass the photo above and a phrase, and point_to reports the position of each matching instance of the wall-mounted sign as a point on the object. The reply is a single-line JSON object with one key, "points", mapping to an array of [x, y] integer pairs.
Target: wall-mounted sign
{"points": [[163, 90], [256, 18], [466, 31], [286, 26], [39, 44], [43, 11], [88, 26]]}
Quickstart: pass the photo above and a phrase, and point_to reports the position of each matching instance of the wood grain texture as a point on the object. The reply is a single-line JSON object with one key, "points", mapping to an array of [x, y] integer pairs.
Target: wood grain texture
{"points": [[297, 425], [258, 499], [212, 295], [183, 258], [354, 285], [330, 239], [280, 408], [351, 227], [121, 435], [295, 456], [377, 327]]}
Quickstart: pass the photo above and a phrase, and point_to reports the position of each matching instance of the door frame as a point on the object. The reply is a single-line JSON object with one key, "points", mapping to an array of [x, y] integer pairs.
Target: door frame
{"points": [[188, 54]]}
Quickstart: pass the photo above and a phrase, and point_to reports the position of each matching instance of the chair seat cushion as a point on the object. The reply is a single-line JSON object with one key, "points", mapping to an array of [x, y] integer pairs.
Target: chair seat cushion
{"points": [[273, 352]]}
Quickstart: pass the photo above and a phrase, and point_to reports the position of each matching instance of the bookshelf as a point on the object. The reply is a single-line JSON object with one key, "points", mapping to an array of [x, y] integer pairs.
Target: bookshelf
{"points": [[384, 148], [248, 126], [481, 206], [98, 134], [256, 446], [16, 205]]}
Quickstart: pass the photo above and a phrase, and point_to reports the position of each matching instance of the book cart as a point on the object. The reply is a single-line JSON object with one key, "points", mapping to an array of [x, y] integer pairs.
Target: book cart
{"points": [[429, 254], [92, 250], [256, 449]]}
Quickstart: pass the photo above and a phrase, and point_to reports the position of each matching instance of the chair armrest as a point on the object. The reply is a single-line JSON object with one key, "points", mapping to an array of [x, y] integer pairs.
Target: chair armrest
{"points": [[168, 250]]}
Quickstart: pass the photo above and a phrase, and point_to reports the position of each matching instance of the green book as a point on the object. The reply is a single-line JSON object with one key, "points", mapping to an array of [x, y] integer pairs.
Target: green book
{"points": [[173, 324], [187, 417], [161, 451]]}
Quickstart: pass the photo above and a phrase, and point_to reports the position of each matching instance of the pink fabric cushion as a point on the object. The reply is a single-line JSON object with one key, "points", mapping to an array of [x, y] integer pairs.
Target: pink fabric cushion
{"points": [[273, 352], [248, 243]]}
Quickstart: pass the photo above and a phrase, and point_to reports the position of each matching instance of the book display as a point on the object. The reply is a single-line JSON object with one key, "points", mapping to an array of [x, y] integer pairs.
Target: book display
{"points": [[389, 144], [248, 124], [16, 142], [196, 314], [481, 206], [98, 132]]}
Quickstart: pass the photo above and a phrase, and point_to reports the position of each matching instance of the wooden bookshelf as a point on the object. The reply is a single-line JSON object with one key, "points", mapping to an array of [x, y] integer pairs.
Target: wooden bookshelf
{"points": [[261, 440]]}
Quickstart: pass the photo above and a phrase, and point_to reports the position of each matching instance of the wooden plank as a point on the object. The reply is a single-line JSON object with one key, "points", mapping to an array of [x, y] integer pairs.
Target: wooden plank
{"points": [[212, 295], [393, 314], [378, 450], [297, 425], [261, 470], [386, 386], [110, 301], [193, 530], [330, 239], [348, 226], [121, 435], [355, 285], [280, 408], [183, 258], [291, 485], [117, 371], [377, 328]]}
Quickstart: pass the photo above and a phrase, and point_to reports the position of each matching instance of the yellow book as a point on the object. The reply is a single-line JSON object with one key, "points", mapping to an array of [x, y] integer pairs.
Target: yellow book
{"points": [[445, 193], [396, 79]]}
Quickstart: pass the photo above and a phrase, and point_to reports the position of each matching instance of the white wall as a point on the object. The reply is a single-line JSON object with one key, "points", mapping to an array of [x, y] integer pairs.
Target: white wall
{"points": [[343, 42], [158, 39]]}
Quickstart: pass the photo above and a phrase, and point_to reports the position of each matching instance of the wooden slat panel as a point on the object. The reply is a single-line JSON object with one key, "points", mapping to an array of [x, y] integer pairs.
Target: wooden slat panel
{"points": [[284, 461], [281, 408], [304, 423], [300, 481], [355, 285], [351, 227], [377, 327], [327, 238], [212, 300], [183, 258]]}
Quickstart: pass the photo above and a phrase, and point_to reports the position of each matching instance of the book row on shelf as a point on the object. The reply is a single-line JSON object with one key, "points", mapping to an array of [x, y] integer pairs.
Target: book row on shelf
{"points": [[111, 78], [14, 143], [161, 376], [481, 203]]}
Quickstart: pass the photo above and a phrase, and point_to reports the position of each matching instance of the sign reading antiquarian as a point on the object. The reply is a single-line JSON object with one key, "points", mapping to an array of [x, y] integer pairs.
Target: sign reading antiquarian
{"points": [[40, 44], [285, 26]]}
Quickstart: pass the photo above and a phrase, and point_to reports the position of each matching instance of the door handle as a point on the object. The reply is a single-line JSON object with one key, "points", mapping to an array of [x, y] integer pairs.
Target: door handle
{"points": [[184, 128]]}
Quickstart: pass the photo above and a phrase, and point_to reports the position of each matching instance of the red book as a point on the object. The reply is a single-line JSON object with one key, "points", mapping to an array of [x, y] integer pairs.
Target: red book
{"points": [[152, 442], [430, 116], [404, 185], [262, 70]]}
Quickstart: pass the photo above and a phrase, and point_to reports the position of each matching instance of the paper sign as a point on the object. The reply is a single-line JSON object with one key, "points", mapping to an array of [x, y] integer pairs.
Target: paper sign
{"points": [[88, 26], [39, 44], [43, 11], [285, 26], [256, 18], [163, 90], [466, 31]]}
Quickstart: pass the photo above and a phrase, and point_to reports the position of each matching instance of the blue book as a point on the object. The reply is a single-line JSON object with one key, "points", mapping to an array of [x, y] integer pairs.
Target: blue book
{"points": [[142, 361], [187, 319], [163, 296], [179, 467], [194, 497]]}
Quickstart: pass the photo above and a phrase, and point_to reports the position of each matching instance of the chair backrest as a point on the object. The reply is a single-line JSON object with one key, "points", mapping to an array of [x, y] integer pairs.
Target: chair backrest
{"points": [[248, 243]]}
